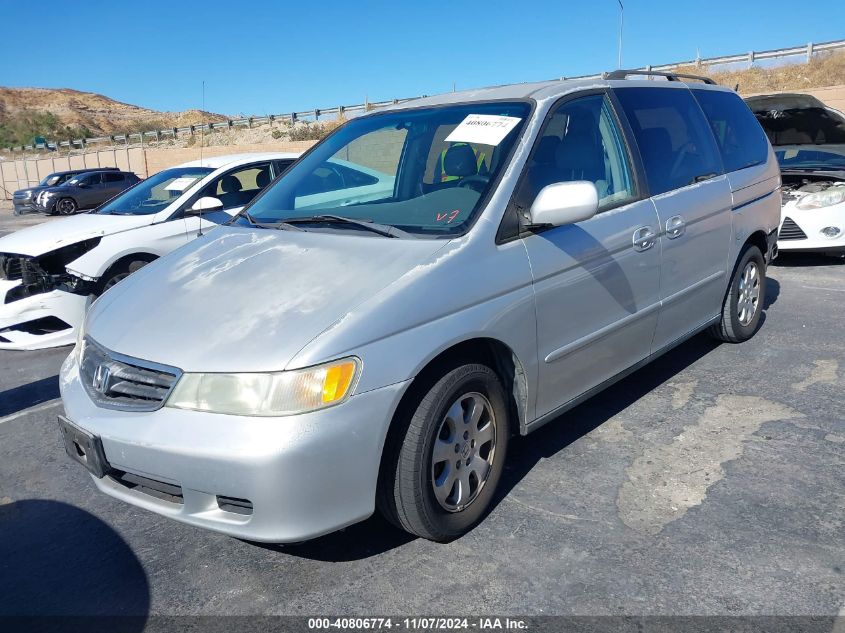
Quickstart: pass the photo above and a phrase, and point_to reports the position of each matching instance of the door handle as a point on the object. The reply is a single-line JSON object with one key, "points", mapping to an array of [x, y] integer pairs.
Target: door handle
{"points": [[644, 238], [675, 227]]}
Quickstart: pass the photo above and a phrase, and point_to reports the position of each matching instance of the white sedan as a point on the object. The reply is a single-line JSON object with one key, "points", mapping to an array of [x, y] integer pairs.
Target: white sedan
{"points": [[809, 141], [51, 272]]}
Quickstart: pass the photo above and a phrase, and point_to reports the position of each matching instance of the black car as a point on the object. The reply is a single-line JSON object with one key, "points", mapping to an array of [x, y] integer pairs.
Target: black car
{"points": [[84, 191], [23, 200]]}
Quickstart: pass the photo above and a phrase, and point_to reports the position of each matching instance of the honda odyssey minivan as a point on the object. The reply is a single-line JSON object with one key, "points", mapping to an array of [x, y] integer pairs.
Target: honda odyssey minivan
{"points": [[325, 354]]}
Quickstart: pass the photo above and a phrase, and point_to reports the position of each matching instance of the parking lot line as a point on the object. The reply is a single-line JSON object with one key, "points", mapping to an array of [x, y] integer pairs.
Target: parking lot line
{"points": [[41, 407]]}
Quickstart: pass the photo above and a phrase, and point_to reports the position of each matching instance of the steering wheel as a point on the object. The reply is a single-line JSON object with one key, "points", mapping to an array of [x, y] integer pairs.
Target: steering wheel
{"points": [[476, 182]]}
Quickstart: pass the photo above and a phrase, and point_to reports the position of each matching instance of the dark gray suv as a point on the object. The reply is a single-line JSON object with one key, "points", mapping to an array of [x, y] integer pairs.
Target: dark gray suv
{"points": [[84, 191], [24, 199]]}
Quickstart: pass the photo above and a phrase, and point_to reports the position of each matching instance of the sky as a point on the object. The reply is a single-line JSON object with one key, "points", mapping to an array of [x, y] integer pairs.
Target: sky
{"points": [[273, 57]]}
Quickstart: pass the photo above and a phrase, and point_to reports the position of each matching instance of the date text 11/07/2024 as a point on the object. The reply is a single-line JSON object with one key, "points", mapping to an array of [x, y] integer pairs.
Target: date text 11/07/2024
{"points": [[418, 624]]}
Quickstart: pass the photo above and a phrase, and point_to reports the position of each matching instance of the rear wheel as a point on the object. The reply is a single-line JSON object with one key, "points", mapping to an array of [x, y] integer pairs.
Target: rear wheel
{"points": [[443, 468], [66, 206], [743, 304]]}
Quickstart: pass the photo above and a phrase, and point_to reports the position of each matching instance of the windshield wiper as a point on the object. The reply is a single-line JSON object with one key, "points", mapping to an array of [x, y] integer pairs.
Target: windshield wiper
{"points": [[267, 225], [387, 230]]}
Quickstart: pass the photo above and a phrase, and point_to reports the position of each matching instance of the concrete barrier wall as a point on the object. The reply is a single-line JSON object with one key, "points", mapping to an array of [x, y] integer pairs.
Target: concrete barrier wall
{"points": [[18, 174]]}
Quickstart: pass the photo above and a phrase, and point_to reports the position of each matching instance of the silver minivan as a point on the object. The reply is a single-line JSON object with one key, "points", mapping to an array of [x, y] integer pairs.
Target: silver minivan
{"points": [[327, 353]]}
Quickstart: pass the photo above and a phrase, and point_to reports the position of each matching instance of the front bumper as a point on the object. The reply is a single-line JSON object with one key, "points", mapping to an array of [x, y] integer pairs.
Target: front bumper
{"points": [[303, 475], [48, 319], [21, 206], [809, 223]]}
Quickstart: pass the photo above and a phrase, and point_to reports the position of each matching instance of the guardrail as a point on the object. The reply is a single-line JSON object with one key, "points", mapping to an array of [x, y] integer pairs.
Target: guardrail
{"points": [[291, 118]]}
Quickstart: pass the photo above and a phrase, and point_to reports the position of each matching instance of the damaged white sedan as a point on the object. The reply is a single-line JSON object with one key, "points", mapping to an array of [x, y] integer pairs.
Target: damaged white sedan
{"points": [[809, 141], [51, 272]]}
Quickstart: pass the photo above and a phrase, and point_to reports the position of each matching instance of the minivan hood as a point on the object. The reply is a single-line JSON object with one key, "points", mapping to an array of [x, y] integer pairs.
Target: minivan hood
{"points": [[246, 300], [48, 236]]}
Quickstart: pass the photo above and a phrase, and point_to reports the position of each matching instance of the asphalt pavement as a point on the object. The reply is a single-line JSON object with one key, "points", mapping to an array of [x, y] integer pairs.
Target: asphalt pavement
{"points": [[710, 482]]}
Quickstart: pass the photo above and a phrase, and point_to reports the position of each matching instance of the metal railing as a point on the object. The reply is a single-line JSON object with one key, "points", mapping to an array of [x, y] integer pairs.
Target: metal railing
{"points": [[291, 118]]}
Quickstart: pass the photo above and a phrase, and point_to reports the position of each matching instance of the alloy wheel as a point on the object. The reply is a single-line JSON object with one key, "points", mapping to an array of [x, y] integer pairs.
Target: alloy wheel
{"points": [[463, 452], [748, 293]]}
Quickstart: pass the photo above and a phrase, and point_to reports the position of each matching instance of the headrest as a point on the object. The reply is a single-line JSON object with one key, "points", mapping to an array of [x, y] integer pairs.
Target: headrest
{"points": [[460, 161], [263, 178], [546, 150], [230, 184]]}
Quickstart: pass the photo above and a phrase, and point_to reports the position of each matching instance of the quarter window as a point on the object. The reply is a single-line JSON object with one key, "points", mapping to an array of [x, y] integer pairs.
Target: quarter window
{"points": [[673, 136], [581, 142], [742, 142]]}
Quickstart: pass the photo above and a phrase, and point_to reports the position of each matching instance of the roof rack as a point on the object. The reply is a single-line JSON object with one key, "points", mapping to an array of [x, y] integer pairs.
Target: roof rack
{"points": [[623, 74]]}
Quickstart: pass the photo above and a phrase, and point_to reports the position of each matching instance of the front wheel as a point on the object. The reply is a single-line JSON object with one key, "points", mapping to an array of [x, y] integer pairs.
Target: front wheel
{"points": [[743, 304], [444, 470], [66, 206], [119, 273]]}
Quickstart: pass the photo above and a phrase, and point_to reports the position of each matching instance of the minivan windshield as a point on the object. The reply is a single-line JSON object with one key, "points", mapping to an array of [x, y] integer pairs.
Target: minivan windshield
{"points": [[421, 171], [155, 193]]}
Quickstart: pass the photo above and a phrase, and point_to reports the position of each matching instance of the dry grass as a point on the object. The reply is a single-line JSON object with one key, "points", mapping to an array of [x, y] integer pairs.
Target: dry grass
{"points": [[825, 69]]}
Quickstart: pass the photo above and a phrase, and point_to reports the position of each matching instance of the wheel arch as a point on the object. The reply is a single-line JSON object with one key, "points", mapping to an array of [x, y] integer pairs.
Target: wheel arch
{"points": [[758, 239], [125, 259]]}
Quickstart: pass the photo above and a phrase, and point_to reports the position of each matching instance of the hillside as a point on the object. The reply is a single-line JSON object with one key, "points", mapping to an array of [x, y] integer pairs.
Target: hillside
{"points": [[62, 112]]}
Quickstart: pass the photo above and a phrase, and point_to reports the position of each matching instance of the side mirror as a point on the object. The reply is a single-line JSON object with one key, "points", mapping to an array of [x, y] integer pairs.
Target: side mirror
{"points": [[204, 205], [565, 203], [82, 185]]}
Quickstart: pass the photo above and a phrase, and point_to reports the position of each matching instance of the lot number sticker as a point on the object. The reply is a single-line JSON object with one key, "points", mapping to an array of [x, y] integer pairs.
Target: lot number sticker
{"points": [[485, 129], [180, 184]]}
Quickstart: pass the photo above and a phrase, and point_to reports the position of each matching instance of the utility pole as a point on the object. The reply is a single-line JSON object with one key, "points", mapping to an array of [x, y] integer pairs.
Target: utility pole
{"points": [[621, 24]]}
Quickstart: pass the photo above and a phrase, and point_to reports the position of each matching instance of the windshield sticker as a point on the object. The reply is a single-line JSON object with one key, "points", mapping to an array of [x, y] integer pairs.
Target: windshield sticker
{"points": [[485, 129], [180, 184], [448, 216]]}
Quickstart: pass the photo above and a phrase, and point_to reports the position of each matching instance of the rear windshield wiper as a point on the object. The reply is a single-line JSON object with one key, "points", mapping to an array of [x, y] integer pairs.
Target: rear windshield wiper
{"points": [[386, 230]]}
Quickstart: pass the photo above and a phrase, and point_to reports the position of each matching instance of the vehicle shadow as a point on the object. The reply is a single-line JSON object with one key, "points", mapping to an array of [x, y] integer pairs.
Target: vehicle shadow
{"points": [[29, 395], [787, 260], [65, 569], [772, 293], [525, 452], [357, 542]]}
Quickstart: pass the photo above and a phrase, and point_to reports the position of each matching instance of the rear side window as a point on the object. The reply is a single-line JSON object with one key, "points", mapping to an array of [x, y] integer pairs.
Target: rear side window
{"points": [[673, 136], [739, 136], [113, 177]]}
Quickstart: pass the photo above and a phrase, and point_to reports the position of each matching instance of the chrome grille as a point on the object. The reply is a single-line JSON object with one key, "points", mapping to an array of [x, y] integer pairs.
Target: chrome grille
{"points": [[114, 381], [791, 231]]}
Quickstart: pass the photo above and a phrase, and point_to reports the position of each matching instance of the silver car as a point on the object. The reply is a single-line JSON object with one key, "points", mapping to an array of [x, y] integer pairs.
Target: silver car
{"points": [[324, 355]]}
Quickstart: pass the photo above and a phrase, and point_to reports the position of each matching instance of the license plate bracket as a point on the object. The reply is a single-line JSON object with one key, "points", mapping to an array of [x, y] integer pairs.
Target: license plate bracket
{"points": [[84, 447]]}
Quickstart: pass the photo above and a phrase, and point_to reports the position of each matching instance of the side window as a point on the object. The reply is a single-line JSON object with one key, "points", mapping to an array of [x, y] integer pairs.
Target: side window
{"points": [[673, 136], [238, 187], [111, 177], [335, 181], [741, 140], [581, 141]]}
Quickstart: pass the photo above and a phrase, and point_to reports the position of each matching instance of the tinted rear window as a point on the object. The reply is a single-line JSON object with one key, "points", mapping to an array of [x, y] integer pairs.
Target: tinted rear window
{"points": [[673, 137], [739, 136]]}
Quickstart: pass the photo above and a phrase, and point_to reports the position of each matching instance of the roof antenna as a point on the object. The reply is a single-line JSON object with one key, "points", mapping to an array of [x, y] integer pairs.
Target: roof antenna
{"points": [[199, 229]]}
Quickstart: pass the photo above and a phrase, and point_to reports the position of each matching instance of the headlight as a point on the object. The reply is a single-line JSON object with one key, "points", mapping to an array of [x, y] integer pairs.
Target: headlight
{"points": [[271, 394], [76, 352], [831, 231], [820, 199]]}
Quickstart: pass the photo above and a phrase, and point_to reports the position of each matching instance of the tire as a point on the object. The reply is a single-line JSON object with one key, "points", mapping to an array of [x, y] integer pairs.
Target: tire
{"points": [[746, 294], [119, 272], [473, 459], [66, 206]]}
